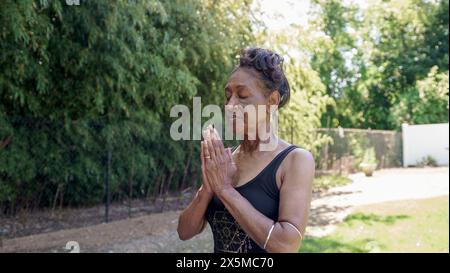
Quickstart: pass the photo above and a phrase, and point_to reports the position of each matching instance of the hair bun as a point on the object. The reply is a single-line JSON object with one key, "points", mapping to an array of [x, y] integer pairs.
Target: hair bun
{"points": [[270, 66]]}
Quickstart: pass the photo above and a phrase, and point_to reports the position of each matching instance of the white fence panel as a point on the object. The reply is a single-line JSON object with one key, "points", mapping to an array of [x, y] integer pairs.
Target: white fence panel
{"points": [[424, 140]]}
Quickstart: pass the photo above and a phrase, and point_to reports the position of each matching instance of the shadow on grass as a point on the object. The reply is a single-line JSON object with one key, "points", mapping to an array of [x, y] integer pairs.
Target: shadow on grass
{"points": [[370, 219], [333, 244], [327, 245]]}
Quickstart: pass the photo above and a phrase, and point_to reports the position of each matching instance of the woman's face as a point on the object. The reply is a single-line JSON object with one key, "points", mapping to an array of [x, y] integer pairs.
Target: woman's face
{"points": [[244, 91]]}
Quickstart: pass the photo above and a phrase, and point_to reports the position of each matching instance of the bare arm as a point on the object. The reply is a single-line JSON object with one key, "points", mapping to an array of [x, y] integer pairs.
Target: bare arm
{"points": [[192, 220]]}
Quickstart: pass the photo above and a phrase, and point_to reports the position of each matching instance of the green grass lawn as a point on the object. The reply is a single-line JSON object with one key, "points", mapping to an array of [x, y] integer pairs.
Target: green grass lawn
{"points": [[400, 226]]}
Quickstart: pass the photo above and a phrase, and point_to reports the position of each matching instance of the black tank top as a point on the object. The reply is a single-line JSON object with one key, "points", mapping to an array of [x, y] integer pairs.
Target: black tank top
{"points": [[263, 193]]}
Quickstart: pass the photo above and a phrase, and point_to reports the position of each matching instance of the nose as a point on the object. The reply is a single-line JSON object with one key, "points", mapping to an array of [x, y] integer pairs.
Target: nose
{"points": [[234, 109], [233, 101]]}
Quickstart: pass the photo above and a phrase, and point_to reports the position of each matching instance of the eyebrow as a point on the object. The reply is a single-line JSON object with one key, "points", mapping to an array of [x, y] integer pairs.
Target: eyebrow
{"points": [[239, 86]]}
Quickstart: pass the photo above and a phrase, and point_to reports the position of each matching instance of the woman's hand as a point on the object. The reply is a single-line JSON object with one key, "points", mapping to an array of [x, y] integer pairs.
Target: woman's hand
{"points": [[206, 188], [220, 168], [192, 220]]}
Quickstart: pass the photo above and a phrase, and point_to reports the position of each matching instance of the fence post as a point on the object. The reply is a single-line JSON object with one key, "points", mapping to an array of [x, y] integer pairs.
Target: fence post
{"points": [[404, 144], [108, 176]]}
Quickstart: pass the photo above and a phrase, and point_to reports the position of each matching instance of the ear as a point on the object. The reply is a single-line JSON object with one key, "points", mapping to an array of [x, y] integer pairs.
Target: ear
{"points": [[274, 98]]}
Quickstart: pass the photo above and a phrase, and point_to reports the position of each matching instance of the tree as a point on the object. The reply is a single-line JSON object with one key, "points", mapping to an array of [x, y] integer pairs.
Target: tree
{"points": [[79, 81], [369, 56], [427, 102]]}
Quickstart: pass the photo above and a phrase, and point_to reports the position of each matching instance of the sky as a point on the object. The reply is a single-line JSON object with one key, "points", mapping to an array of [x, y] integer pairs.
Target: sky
{"points": [[281, 13]]}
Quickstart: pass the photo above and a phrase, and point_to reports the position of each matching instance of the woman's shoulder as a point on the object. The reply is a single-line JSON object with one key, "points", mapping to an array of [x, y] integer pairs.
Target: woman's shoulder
{"points": [[299, 152], [298, 156], [301, 155], [298, 168]]}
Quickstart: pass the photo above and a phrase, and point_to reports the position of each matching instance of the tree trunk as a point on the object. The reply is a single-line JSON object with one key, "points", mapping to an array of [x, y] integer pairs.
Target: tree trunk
{"points": [[4, 143], [61, 197], [56, 198], [186, 168], [130, 190], [166, 190]]}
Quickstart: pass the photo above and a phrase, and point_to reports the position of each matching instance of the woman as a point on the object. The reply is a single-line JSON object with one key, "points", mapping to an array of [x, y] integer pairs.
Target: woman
{"points": [[254, 200]]}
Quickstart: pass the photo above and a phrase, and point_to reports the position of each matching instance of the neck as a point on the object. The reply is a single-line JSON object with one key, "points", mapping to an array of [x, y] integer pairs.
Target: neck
{"points": [[250, 146]]}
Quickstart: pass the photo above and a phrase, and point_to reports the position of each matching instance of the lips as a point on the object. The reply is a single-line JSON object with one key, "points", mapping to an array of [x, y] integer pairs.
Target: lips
{"points": [[234, 114], [235, 118]]}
